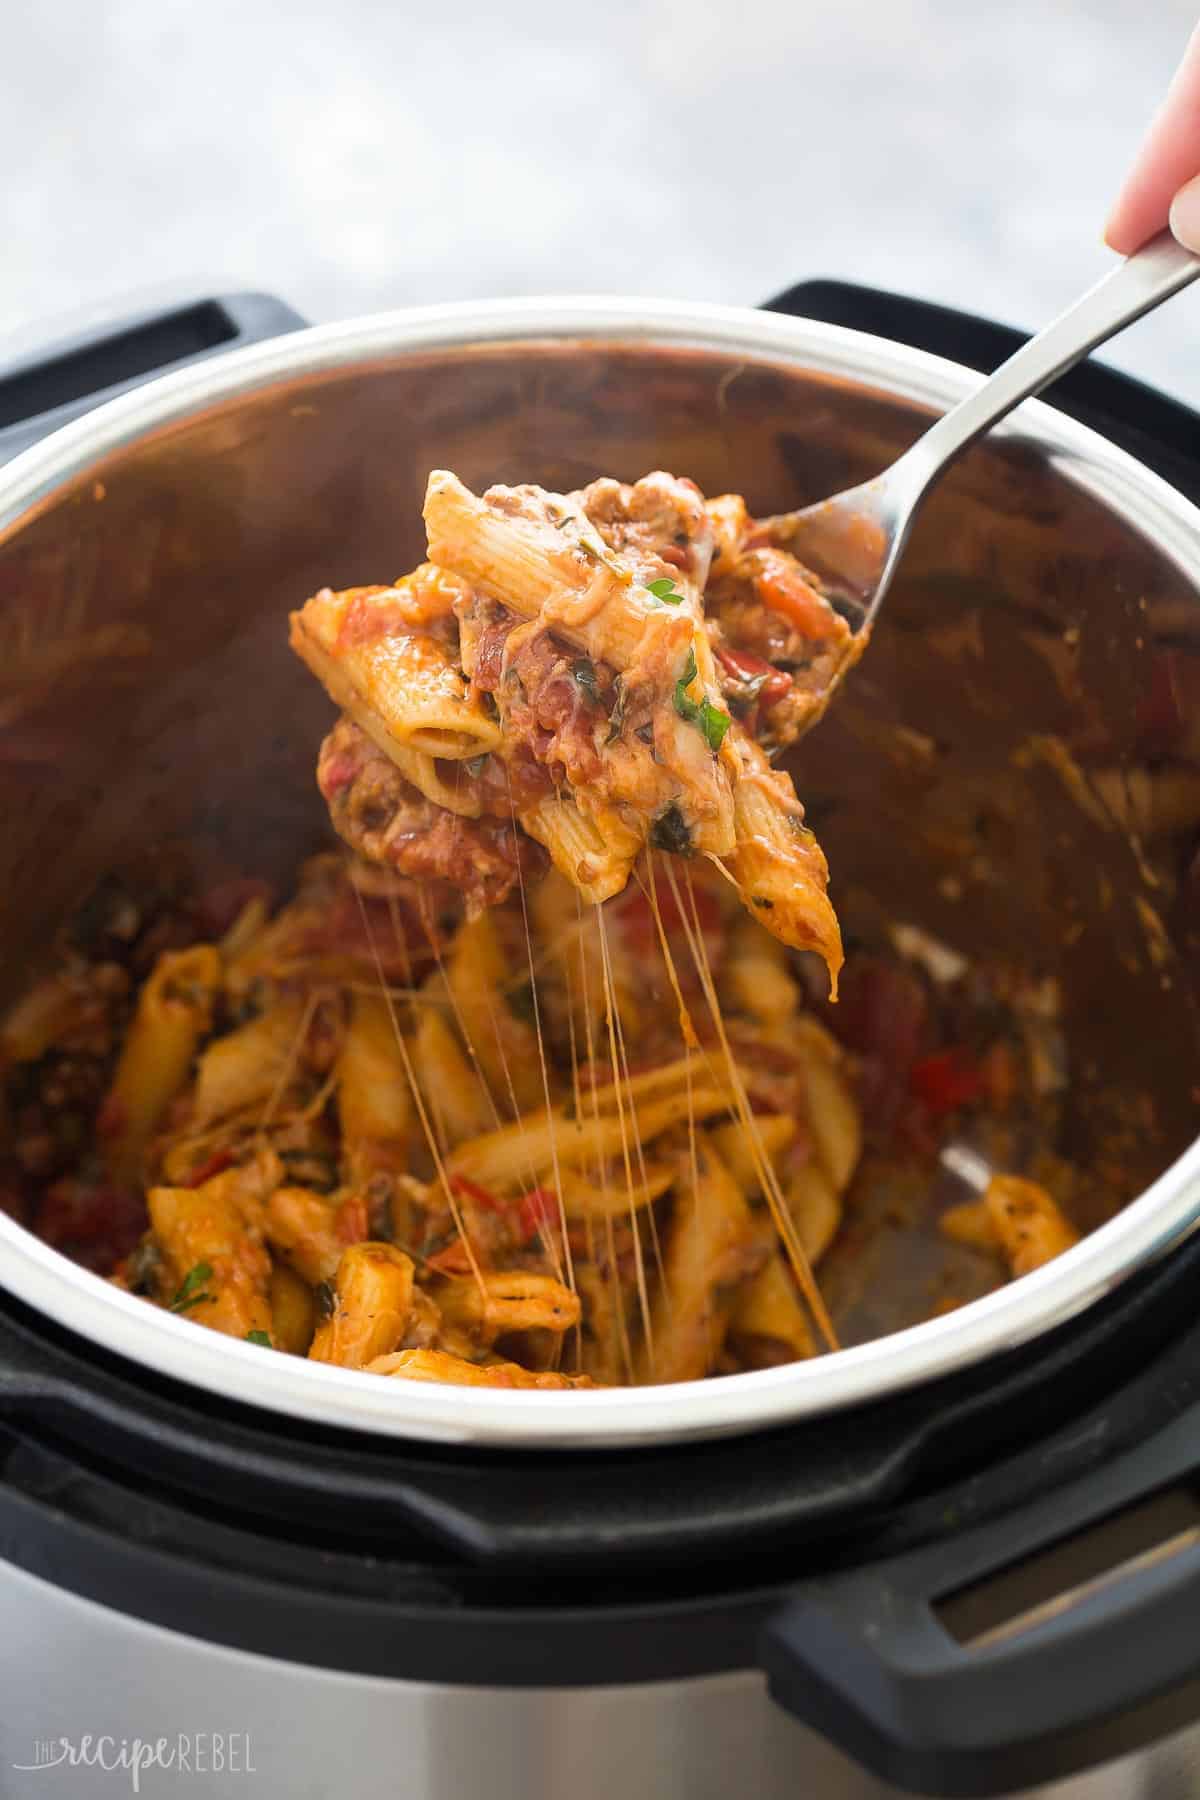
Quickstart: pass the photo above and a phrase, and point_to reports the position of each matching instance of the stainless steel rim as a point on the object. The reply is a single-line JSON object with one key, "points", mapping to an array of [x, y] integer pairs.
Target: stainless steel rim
{"points": [[177, 1348]]}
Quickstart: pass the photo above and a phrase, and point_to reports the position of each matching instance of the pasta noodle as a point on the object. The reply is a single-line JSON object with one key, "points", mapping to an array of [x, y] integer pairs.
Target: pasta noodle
{"points": [[402, 686], [371, 1305], [173, 1012]]}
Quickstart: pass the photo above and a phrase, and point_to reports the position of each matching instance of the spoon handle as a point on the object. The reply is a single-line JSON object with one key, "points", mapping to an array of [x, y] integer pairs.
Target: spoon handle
{"points": [[1151, 275]]}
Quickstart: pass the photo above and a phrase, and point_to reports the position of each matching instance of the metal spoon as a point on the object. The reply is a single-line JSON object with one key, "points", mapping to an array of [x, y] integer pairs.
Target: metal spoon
{"points": [[855, 540]]}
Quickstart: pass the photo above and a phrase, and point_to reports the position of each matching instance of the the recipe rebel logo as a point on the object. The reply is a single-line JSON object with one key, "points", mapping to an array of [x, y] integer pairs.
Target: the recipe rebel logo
{"points": [[187, 1753]]}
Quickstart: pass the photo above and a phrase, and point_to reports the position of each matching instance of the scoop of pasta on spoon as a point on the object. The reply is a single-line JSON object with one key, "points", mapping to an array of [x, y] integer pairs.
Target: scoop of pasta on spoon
{"points": [[855, 539]]}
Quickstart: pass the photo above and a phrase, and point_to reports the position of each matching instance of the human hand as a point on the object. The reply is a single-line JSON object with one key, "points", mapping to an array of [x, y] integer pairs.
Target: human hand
{"points": [[1163, 186]]}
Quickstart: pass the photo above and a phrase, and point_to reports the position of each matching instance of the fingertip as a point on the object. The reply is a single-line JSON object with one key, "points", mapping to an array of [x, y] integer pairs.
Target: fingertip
{"points": [[1184, 217], [1120, 232]]}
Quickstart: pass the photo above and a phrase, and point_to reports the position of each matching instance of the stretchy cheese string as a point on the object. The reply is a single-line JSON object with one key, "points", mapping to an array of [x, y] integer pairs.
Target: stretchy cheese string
{"points": [[547, 1237], [783, 1221], [611, 1016], [419, 1103]]}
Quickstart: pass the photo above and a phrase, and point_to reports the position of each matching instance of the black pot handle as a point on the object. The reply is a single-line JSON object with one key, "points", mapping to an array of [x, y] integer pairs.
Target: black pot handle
{"points": [[1158, 431], [869, 1659], [79, 368]]}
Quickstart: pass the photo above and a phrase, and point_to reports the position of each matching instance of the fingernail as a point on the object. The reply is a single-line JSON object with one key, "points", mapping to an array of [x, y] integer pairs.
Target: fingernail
{"points": [[1185, 215]]}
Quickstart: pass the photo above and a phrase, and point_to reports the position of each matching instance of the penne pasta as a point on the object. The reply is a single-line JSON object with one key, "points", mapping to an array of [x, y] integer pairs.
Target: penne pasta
{"points": [[1016, 1219], [502, 1046], [293, 1310], [778, 865], [451, 1086], [374, 1104], [301, 1227], [507, 1301], [371, 1307], [216, 1267], [402, 686], [436, 1365], [776, 1135], [708, 1252], [596, 850], [174, 1010], [614, 1199], [832, 1115], [243, 1069], [505, 1159], [756, 979], [767, 1321], [816, 1207]]}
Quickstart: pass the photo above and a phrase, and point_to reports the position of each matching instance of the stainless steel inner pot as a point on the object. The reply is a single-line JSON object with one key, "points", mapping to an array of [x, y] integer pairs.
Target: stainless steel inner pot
{"points": [[977, 779]]}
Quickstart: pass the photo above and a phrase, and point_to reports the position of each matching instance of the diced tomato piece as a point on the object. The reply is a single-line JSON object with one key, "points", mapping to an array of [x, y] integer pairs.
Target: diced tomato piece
{"points": [[463, 1189], [351, 1223], [453, 1260], [96, 1223], [743, 665], [212, 1165], [538, 1213], [781, 586], [946, 1080]]}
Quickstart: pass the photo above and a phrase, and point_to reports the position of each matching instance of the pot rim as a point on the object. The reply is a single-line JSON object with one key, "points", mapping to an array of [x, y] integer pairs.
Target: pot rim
{"points": [[179, 1349]]}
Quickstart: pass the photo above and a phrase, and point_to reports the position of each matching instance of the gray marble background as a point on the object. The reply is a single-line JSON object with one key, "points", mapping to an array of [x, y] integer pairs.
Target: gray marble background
{"points": [[369, 155]]}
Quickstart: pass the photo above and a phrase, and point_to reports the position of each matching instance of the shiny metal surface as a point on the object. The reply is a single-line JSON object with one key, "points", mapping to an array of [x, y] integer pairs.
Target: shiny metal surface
{"points": [[858, 536], [161, 539], [70, 1667]]}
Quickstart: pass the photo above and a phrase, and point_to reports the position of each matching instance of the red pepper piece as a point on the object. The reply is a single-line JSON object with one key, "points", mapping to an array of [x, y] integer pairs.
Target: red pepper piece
{"points": [[946, 1080], [213, 1165]]}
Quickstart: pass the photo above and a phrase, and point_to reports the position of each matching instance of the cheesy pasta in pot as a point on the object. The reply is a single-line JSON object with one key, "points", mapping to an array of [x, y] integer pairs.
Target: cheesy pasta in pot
{"points": [[534, 1086]]}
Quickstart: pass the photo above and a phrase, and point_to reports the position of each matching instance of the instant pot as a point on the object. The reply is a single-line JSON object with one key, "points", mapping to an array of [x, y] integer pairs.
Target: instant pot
{"points": [[960, 1558]]}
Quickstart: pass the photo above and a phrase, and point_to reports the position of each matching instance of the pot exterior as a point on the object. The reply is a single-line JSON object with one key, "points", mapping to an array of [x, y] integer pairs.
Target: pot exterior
{"points": [[285, 1729]]}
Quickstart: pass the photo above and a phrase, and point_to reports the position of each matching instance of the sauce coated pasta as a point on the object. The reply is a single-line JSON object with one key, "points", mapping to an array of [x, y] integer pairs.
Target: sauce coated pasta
{"points": [[534, 1085]]}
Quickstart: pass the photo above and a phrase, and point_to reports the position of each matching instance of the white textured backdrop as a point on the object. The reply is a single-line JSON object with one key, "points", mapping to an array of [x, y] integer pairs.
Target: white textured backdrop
{"points": [[364, 154]]}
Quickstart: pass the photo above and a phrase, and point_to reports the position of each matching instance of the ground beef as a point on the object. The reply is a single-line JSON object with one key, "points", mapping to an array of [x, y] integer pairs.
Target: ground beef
{"points": [[658, 525], [388, 821]]}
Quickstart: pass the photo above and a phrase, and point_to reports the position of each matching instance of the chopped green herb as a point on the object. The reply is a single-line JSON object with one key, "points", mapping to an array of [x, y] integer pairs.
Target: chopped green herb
{"points": [[685, 706], [259, 1337], [714, 724], [584, 672], [664, 589], [193, 1281], [616, 718], [712, 721], [669, 832]]}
